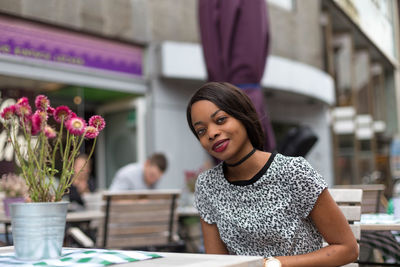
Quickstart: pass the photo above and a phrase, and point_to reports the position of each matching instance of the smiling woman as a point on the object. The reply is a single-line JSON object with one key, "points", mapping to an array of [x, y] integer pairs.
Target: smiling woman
{"points": [[260, 203]]}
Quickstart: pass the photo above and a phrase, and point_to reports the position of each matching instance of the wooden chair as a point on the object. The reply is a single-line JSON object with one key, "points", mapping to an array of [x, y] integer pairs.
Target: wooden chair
{"points": [[349, 202], [373, 198], [140, 219]]}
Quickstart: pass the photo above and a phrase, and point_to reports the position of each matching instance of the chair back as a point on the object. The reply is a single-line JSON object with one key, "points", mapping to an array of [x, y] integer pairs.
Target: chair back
{"points": [[372, 197], [139, 219], [349, 202]]}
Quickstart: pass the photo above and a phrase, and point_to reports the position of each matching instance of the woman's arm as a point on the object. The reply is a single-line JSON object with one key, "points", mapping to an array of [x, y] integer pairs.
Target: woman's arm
{"points": [[212, 241], [336, 231]]}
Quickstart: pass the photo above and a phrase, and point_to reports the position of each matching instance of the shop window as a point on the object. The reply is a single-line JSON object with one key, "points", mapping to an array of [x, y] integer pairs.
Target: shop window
{"points": [[345, 171], [343, 53], [361, 82], [121, 145], [377, 86]]}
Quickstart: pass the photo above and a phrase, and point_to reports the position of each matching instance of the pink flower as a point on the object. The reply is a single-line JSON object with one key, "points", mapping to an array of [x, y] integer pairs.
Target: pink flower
{"points": [[97, 122], [50, 110], [73, 115], [76, 126], [8, 112], [91, 132], [38, 119], [61, 113], [23, 109], [42, 102], [23, 101], [49, 132]]}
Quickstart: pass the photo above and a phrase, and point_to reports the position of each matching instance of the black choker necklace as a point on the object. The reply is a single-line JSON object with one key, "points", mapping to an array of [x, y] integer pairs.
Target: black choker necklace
{"points": [[242, 160]]}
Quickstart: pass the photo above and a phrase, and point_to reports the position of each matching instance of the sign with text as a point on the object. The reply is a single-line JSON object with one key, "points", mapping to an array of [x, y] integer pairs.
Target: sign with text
{"points": [[41, 42]]}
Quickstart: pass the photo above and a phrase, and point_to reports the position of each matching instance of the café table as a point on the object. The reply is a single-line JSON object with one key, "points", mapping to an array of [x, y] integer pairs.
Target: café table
{"points": [[379, 222], [74, 217], [187, 211], [186, 260], [381, 231], [190, 229]]}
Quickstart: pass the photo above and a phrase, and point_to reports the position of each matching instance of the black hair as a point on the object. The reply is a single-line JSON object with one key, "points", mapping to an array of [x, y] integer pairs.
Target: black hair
{"points": [[233, 101]]}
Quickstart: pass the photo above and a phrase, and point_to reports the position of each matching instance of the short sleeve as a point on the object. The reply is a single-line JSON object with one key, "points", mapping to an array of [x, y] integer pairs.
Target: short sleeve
{"points": [[306, 184], [203, 199]]}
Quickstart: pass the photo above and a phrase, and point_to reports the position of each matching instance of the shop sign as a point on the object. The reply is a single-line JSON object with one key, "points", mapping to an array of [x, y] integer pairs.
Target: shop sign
{"points": [[35, 41]]}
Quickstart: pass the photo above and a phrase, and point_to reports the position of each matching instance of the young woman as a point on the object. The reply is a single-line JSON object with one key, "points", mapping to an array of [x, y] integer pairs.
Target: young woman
{"points": [[259, 203]]}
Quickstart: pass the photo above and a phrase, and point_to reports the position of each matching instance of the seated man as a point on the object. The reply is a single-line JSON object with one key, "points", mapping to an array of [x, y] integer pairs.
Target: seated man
{"points": [[140, 176]]}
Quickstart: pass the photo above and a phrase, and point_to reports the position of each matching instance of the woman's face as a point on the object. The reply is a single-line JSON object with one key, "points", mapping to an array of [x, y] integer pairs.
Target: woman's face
{"points": [[221, 135]]}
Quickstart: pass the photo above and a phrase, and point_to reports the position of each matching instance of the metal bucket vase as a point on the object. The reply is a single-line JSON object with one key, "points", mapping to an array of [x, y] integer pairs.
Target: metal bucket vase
{"points": [[38, 229]]}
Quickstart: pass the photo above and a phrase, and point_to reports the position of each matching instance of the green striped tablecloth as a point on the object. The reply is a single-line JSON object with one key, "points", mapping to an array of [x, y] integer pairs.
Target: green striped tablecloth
{"points": [[82, 257]]}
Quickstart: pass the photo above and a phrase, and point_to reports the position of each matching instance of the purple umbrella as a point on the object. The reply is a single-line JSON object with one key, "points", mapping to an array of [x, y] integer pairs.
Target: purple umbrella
{"points": [[234, 35]]}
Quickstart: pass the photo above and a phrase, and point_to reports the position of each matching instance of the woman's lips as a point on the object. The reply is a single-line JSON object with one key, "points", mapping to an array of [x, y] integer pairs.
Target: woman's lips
{"points": [[220, 146]]}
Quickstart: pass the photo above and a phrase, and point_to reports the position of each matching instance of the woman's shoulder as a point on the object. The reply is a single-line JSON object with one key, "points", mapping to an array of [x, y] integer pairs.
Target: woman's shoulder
{"points": [[282, 159], [288, 165], [210, 174]]}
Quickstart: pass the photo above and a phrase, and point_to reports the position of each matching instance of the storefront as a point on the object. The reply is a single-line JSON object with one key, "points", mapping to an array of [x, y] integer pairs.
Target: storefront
{"points": [[91, 75], [361, 54]]}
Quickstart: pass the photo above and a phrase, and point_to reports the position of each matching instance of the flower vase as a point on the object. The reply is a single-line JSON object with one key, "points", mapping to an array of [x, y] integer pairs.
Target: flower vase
{"points": [[38, 229], [8, 200]]}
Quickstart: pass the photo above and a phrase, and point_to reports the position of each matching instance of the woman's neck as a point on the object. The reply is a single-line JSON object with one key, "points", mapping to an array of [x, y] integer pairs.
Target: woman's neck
{"points": [[243, 159], [247, 169]]}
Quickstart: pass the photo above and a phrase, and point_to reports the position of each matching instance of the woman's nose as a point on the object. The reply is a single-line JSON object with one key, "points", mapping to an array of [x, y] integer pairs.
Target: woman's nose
{"points": [[213, 132]]}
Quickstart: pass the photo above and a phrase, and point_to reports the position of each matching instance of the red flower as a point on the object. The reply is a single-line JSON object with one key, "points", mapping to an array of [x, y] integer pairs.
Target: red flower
{"points": [[8, 112], [97, 122], [91, 132], [38, 121], [23, 101], [23, 109], [76, 126], [50, 110], [61, 113], [42, 102]]}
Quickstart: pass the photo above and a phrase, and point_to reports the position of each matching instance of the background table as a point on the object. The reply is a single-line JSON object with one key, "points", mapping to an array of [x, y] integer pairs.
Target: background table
{"points": [[380, 231], [379, 222]]}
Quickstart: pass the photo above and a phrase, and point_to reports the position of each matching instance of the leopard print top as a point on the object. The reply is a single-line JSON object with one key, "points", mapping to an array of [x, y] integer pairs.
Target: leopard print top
{"points": [[267, 215]]}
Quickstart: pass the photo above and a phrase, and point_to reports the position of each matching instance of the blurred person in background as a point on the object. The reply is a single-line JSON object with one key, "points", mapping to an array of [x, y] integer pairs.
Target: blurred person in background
{"points": [[139, 176], [82, 183]]}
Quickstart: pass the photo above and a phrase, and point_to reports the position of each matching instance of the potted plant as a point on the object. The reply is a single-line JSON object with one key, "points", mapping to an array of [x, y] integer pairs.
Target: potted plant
{"points": [[38, 226], [15, 190]]}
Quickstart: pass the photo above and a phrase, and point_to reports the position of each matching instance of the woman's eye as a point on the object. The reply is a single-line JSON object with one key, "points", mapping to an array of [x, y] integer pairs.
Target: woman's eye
{"points": [[200, 131], [221, 120]]}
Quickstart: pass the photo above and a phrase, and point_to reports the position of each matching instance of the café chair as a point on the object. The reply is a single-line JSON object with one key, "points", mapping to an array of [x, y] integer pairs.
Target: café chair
{"points": [[79, 237], [373, 200], [349, 202], [145, 220]]}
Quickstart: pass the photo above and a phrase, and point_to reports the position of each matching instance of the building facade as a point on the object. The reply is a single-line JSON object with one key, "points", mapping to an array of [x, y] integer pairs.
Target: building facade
{"points": [[319, 63]]}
